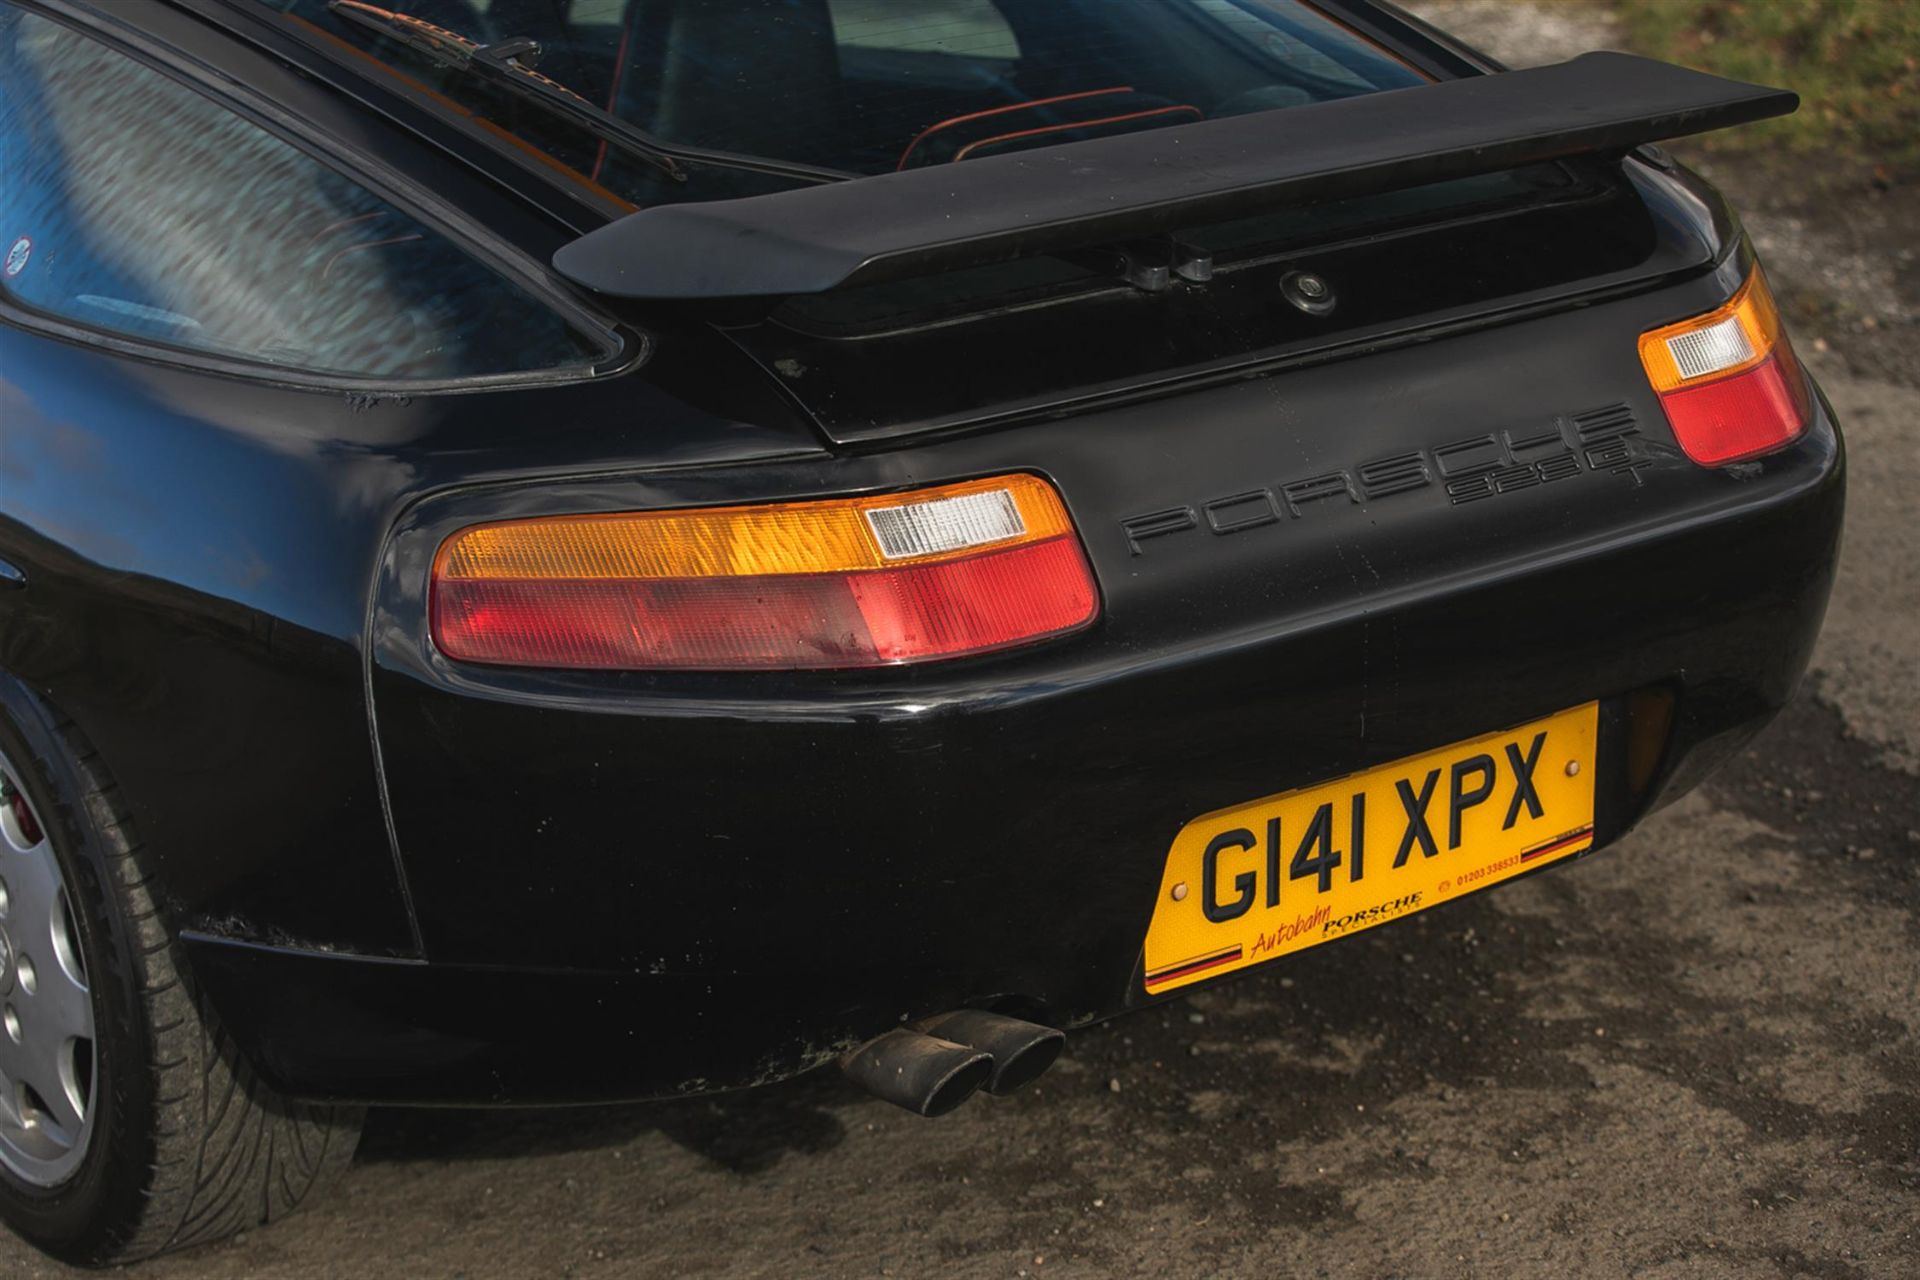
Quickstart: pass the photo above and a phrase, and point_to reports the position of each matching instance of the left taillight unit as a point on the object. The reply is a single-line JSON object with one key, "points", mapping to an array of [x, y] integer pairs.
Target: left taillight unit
{"points": [[1728, 380], [840, 582]]}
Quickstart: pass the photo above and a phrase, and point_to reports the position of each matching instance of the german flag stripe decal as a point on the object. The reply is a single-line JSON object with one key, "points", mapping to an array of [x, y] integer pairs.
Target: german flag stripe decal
{"points": [[1560, 842], [1195, 965]]}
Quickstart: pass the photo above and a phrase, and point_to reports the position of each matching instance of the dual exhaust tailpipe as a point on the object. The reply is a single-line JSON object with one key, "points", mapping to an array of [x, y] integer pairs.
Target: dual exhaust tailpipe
{"points": [[938, 1063]]}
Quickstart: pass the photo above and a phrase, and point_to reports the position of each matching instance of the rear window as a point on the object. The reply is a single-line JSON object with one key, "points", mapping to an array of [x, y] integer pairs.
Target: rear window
{"points": [[866, 86]]}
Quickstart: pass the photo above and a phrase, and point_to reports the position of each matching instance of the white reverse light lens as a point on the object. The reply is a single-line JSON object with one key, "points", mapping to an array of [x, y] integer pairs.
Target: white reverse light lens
{"points": [[946, 524], [1709, 350]]}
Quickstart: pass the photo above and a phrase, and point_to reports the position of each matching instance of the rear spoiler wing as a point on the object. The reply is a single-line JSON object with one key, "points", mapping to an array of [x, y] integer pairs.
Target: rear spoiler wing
{"points": [[946, 217]]}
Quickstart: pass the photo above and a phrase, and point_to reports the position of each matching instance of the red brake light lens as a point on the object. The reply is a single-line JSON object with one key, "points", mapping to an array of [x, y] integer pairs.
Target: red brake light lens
{"points": [[1728, 380], [861, 582]]}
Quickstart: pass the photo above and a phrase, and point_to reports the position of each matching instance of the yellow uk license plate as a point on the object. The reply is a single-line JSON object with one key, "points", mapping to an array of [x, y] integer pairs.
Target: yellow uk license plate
{"points": [[1291, 871]]}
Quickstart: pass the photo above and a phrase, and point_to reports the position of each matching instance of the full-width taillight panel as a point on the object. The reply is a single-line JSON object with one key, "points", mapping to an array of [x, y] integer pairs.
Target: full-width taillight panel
{"points": [[1728, 380], [855, 582]]}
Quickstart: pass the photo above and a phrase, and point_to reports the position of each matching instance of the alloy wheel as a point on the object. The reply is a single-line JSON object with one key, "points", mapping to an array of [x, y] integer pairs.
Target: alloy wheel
{"points": [[47, 1045]]}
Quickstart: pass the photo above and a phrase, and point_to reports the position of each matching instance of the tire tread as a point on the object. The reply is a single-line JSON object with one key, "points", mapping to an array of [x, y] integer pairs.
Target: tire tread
{"points": [[230, 1153]]}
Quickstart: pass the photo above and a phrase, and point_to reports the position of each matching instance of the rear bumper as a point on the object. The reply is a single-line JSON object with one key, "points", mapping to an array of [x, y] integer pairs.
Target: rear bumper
{"points": [[655, 895]]}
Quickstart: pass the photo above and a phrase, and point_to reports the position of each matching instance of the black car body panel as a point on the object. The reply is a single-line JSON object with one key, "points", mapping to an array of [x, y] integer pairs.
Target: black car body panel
{"points": [[1322, 543], [873, 366]]}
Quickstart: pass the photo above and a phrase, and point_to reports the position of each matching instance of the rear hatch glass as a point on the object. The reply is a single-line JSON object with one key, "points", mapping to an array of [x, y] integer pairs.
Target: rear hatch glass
{"points": [[857, 87]]}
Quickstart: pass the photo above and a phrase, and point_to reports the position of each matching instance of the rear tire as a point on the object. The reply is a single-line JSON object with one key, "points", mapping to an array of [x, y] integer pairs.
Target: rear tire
{"points": [[180, 1143]]}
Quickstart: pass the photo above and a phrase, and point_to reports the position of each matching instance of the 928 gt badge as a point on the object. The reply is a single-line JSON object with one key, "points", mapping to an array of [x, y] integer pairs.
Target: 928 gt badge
{"points": [[1491, 464], [17, 256]]}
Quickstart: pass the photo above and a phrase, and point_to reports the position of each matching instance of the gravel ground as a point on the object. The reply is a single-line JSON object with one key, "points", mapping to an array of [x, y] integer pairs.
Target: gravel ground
{"points": [[1523, 34], [1696, 1055]]}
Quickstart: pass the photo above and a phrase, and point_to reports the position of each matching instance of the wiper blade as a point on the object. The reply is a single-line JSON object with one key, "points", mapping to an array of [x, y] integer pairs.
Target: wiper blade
{"points": [[509, 64]]}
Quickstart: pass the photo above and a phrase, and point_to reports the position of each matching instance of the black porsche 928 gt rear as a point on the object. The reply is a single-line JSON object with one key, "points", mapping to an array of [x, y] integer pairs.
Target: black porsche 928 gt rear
{"points": [[555, 552]]}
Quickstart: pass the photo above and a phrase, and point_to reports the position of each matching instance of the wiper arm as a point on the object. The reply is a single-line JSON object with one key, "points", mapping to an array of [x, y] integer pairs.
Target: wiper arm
{"points": [[509, 64]]}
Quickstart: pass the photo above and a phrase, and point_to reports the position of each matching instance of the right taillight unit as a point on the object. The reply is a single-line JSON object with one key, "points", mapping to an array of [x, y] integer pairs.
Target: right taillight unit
{"points": [[1728, 380]]}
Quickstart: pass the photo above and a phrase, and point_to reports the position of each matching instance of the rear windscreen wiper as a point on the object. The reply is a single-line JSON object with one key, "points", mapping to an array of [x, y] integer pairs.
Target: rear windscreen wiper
{"points": [[509, 63]]}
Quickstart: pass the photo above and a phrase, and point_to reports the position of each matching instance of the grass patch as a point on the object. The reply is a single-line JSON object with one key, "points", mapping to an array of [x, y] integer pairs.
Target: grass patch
{"points": [[1854, 63]]}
